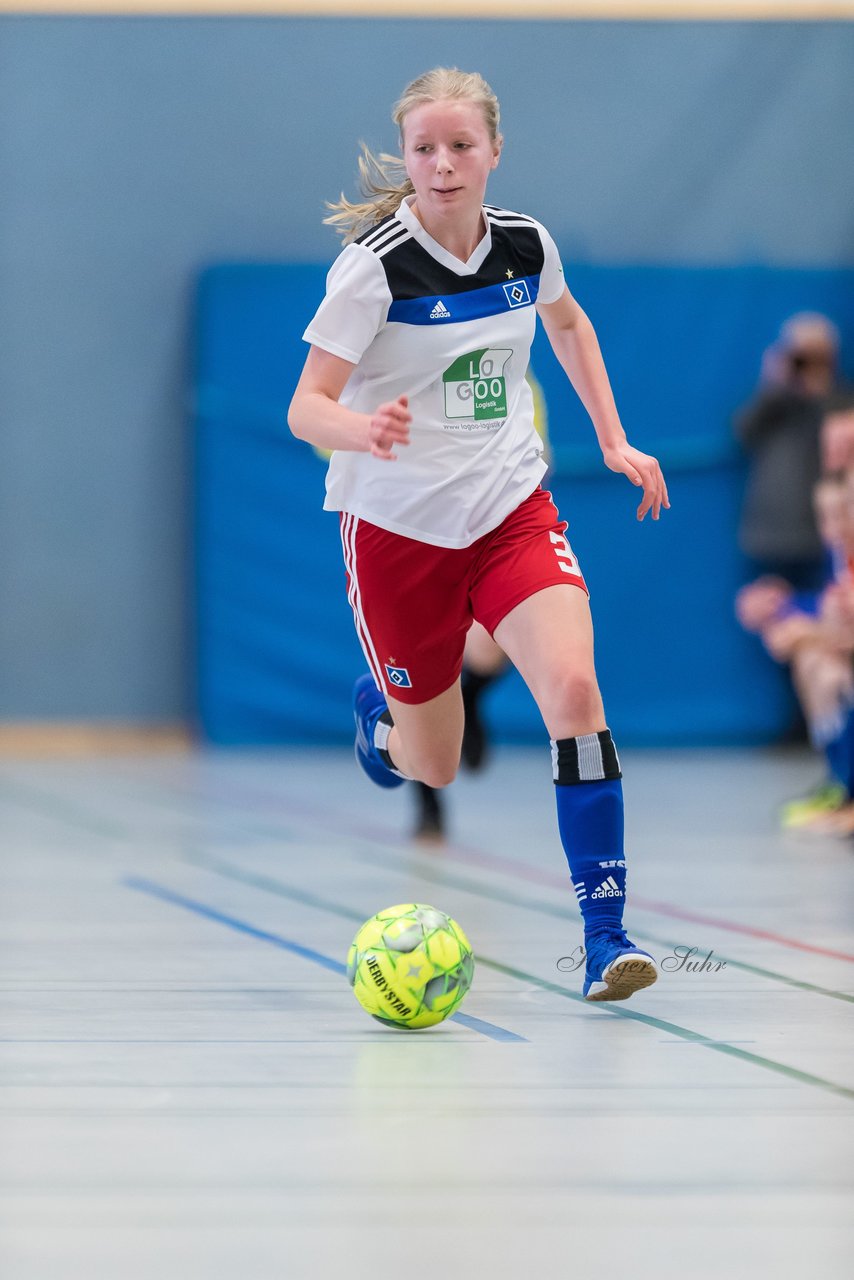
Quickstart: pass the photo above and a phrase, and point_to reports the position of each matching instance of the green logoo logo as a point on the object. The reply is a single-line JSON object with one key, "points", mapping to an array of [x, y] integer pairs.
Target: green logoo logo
{"points": [[475, 386]]}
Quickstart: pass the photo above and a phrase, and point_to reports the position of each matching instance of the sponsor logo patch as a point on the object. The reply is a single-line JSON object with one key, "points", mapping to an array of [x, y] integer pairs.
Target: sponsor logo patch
{"points": [[475, 386]]}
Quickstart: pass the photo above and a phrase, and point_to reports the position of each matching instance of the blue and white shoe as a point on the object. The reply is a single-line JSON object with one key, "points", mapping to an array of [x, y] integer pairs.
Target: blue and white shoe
{"points": [[616, 968], [368, 706]]}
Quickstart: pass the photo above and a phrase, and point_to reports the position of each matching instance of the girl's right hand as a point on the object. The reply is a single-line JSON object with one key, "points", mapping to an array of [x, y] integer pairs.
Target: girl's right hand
{"points": [[389, 426]]}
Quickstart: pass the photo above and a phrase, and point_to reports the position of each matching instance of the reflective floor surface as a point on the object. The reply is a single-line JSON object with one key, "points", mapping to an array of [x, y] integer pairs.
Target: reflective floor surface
{"points": [[189, 1090]]}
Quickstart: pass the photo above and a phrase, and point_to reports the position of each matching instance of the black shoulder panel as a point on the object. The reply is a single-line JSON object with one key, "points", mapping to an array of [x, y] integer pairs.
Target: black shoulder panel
{"points": [[520, 246], [412, 272]]}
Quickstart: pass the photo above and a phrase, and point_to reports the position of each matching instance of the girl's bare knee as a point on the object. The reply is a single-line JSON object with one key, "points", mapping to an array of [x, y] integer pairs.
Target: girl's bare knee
{"points": [[437, 771], [573, 705], [578, 693]]}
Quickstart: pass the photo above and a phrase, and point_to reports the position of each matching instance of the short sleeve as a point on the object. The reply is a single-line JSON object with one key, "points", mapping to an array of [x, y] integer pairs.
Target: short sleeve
{"points": [[355, 307], [552, 283]]}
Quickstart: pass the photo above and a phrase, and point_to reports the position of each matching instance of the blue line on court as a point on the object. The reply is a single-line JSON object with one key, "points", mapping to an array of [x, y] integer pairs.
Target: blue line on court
{"points": [[487, 1028], [178, 900], [307, 953]]}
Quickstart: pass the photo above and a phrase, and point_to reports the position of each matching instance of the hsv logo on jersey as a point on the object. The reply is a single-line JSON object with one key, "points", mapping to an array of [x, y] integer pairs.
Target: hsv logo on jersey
{"points": [[517, 293], [398, 676]]}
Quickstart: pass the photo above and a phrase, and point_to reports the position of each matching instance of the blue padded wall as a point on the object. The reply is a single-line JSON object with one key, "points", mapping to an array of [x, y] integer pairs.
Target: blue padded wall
{"points": [[275, 644], [134, 150]]}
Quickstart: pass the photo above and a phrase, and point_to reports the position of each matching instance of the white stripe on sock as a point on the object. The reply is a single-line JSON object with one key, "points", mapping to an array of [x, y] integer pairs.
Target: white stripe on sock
{"points": [[591, 767], [381, 735], [381, 732]]}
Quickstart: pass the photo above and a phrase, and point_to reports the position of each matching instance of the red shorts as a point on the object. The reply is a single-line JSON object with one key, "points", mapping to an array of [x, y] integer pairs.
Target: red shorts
{"points": [[413, 602]]}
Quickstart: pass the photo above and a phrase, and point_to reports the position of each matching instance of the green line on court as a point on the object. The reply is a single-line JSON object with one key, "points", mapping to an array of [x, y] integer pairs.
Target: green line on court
{"points": [[49, 805], [368, 854], [792, 1073], [52, 806], [270, 885], [430, 872]]}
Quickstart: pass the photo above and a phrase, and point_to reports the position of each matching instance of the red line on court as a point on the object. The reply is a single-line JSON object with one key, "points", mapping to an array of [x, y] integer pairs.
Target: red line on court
{"points": [[512, 866], [538, 875]]}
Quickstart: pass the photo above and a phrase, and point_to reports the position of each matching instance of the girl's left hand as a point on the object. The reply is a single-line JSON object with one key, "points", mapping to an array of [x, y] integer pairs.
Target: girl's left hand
{"points": [[642, 470]]}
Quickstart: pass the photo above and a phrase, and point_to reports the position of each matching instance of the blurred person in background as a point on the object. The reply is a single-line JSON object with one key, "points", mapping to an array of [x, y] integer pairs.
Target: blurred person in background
{"points": [[813, 633], [837, 439], [779, 431]]}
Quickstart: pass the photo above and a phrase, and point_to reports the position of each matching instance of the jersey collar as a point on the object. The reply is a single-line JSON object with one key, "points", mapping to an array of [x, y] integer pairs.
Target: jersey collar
{"points": [[470, 268]]}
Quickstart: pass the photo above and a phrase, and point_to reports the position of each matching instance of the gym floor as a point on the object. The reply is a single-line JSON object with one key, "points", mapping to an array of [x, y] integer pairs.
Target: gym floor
{"points": [[189, 1089]]}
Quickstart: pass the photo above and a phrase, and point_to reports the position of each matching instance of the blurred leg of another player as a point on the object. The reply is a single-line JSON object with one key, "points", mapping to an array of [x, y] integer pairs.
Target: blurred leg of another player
{"points": [[484, 662], [825, 686]]}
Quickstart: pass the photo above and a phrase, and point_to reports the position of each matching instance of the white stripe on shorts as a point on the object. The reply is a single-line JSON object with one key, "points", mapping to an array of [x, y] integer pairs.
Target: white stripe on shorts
{"points": [[349, 525]]}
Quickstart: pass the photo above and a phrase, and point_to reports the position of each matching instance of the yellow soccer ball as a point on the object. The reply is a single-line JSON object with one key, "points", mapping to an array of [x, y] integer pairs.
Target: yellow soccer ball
{"points": [[410, 966]]}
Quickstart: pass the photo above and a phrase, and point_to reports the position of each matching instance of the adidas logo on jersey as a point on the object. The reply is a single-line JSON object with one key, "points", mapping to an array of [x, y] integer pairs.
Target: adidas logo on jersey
{"points": [[608, 889], [440, 311]]}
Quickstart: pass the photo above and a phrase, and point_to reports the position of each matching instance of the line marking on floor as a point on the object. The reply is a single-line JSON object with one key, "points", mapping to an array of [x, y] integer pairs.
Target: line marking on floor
{"points": [[50, 805], [143, 885], [351, 826], [551, 879], [269, 884], [431, 872], [459, 852]]}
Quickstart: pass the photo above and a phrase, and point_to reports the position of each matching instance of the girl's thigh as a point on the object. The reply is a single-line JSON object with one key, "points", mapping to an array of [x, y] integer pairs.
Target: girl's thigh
{"points": [[549, 638]]}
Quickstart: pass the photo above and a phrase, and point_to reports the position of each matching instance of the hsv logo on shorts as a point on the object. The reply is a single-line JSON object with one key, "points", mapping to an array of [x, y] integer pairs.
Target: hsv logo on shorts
{"points": [[398, 676]]}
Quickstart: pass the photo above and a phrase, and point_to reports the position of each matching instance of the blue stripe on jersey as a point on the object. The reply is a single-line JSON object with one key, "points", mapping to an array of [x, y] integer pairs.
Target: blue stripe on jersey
{"points": [[473, 305]]}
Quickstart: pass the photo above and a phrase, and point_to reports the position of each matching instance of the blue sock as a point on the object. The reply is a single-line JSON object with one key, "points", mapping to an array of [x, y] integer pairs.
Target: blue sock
{"points": [[590, 819], [839, 753]]}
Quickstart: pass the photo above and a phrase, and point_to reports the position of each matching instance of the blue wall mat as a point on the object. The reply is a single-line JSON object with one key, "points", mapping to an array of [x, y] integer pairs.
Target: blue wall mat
{"points": [[135, 150], [276, 648]]}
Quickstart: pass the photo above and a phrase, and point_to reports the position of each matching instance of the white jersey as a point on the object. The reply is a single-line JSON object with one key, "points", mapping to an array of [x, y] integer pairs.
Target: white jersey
{"points": [[455, 337]]}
